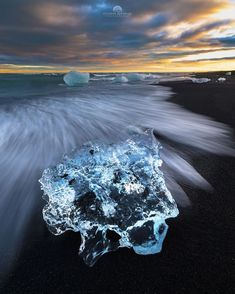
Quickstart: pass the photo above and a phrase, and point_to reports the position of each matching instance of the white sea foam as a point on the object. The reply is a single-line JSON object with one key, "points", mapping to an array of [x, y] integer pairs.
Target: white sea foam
{"points": [[102, 78]]}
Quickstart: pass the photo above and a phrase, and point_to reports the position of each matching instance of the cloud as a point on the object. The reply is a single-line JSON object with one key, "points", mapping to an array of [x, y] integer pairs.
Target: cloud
{"points": [[203, 29], [77, 33], [228, 41]]}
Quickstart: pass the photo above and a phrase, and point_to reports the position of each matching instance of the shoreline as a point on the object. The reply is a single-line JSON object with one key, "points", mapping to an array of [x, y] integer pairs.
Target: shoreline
{"points": [[215, 100], [198, 250]]}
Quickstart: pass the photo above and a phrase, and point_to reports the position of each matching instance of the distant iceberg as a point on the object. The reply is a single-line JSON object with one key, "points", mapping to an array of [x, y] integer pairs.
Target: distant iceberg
{"points": [[200, 80], [74, 78], [221, 80], [175, 79], [150, 76], [135, 77]]}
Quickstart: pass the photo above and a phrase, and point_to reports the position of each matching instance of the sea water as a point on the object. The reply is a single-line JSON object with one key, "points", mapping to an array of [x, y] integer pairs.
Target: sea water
{"points": [[41, 119]]}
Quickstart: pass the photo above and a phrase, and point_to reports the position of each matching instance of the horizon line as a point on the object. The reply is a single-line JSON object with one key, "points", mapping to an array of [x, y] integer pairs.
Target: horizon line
{"points": [[111, 72]]}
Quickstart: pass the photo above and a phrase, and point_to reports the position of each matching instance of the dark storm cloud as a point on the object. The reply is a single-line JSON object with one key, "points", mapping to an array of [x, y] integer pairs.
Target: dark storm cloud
{"points": [[75, 32], [29, 40]]}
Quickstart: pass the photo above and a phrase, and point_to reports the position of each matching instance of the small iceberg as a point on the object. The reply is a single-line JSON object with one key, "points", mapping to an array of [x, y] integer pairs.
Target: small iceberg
{"points": [[74, 78], [221, 80], [200, 80], [149, 77]]}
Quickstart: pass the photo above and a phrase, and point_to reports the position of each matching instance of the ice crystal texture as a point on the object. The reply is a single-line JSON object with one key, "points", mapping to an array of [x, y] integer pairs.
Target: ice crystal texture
{"points": [[114, 195]]}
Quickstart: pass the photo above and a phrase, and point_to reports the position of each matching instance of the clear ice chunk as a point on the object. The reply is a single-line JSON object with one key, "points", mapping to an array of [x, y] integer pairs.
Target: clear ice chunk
{"points": [[114, 195], [74, 78]]}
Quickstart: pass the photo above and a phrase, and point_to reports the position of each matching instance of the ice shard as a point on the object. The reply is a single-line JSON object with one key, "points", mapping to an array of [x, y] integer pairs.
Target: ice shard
{"points": [[114, 195]]}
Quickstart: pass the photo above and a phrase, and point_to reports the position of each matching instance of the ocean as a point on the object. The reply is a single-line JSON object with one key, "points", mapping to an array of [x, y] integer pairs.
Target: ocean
{"points": [[41, 119]]}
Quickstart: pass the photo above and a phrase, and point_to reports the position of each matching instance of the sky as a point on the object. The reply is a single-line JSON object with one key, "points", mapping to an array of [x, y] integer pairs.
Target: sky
{"points": [[138, 36]]}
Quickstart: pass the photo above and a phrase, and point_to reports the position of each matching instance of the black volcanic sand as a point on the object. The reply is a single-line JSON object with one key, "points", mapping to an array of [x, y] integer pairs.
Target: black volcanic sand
{"points": [[199, 251]]}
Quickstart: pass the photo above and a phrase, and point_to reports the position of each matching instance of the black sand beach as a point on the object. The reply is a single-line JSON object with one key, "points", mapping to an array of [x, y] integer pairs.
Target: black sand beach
{"points": [[198, 255]]}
